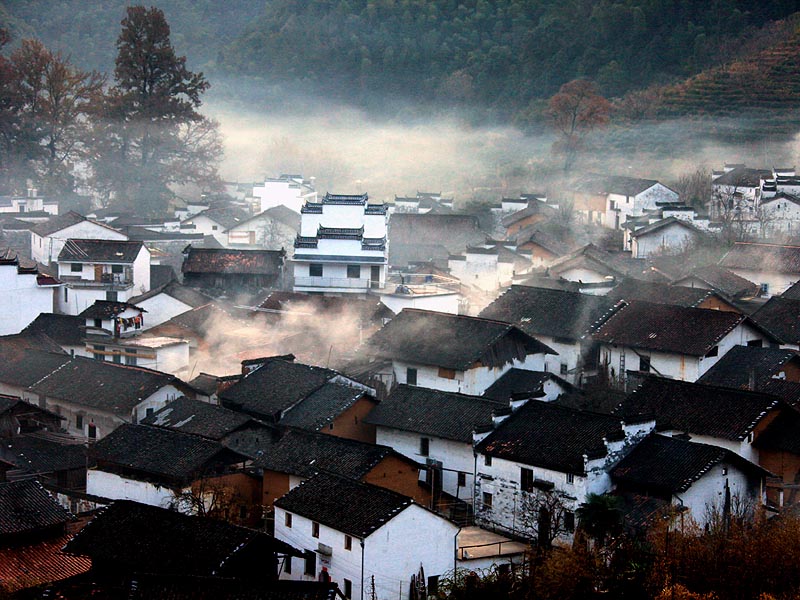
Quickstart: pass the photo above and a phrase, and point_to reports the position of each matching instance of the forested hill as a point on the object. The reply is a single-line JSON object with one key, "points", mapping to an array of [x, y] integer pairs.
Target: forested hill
{"points": [[501, 53]]}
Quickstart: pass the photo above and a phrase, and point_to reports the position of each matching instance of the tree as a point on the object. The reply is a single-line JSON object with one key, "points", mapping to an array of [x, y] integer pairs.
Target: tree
{"points": [[574, 112], [601, 517], [54, 99], [153, 135], [546, 515]]}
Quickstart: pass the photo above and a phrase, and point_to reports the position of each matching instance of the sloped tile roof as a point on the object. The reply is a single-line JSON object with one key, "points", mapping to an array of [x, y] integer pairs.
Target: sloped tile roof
{"points": [[57, 223], [103, 385], [62, 329], [594, 183], [23, 367], [446, 415], [136, 538], [223, 260], [36, 454], [452, 341], [781, 316], [552, 437], [106, 309], [670, 465], [666, 328], [554, 313], [660, 293], [727, 282], [103, 251], [742, 176], [346, 505], [199, 418], [28, 565], [519, 381], [696, 408], [25, 506], [305, 453], [275, 387], [322, 406], [166, 454], [734, 369], [752, 256]]}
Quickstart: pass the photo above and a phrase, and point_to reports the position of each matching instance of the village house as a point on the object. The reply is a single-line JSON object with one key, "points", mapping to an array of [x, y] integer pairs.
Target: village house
{"points": [[779, 214], [232, 271], [167, 468], [215, 221], [422, 203], [24, 293], [430, 237], [714, 277], [358, 533], [751, 368], [454, 353], [539, 463], [545, 248], [342, 246], [33, 529], [435, 428], [781, 316], [68, 331], [101, 270], [288, 190], [630, 289], [562, 320], [489, 267], [287, 460], [534, 213], [701, 481], [609, 200], [773, 267], [95, 397], [48, 238], [671, 341], [594, 268], [58, 461], [126, 539], [518, 383], [168, 300], [273, 229], [667, 236], [27, 359]]}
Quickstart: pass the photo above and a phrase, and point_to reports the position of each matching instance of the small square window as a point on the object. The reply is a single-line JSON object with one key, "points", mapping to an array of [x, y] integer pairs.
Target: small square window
{"points": [[424, 446], [348, 542], [287, 520], [462, 479], [98, 322], [487, 460], [315, 529], [112, 296], [570, 478], [76, 267], [564, 369], [411, 376], [214, 228], [487, 500], [353, 271], [116, 268], [764, 289], [315, 270]]}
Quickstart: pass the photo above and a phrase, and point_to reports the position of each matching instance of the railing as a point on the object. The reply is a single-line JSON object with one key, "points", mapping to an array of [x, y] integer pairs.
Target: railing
{"points": [[106, 282], [332, 282], [422, 283]]}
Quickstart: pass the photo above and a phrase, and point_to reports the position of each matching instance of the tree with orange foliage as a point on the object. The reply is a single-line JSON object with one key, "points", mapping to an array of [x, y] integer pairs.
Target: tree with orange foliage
{"points": [[575, 111]]}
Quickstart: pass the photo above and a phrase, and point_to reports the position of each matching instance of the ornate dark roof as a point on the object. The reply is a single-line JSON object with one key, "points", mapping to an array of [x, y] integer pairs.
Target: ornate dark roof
{"points": [[665, 465], [735, 368], [322, 406], [452, 341], [552, 437], [25, 506], [446, 415], [752, 256], [329, 198], [100, 251], [200, 418], [667, 328], [106, 309], [129, 537], [549, 312], [346, 505], [163, 455], [228, 261], [781, 316], [696, 408]]}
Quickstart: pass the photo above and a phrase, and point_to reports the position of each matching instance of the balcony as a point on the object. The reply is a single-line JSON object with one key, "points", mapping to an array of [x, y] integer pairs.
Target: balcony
{"points": [[332, 282], [107, 281]]}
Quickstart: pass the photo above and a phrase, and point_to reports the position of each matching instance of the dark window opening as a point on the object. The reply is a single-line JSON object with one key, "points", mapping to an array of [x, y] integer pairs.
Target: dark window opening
{"points": [[569, 521], [311, 562], [487, 500], [348, 588], [315, 270], [76, 267], [315, 529], [755, 343], [424, 446], [526, 480], [462, 480], [713, 352], [644, 364], [411, 376], [354, 271]]}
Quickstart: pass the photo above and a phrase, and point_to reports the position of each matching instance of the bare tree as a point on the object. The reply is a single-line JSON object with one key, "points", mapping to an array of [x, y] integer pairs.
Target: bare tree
{"points": [[547, 515], [210, 497]]}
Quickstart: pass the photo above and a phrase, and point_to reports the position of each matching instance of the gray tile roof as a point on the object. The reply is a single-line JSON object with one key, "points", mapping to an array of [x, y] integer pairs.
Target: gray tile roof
{"points": [[322, 406], [25, 506], [200, 418], [734, 369]]}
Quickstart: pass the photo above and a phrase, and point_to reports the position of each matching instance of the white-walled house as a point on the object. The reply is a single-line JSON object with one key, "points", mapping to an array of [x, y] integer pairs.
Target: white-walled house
{"points": [[435, 428], [275, 228], [168, 301], [780, 214], [291, 191], [773, 267], [544, 451], [667, 236], [24, 294], [215, 222], [672, 341], [95, 397], [696, 478], [356, 532], [560, 319], [48, 239], [342, 246], [454, 353], [101, 270]]}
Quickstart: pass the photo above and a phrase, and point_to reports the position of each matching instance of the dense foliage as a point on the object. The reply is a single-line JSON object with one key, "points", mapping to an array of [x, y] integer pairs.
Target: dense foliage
{"points": [[502, 53]]}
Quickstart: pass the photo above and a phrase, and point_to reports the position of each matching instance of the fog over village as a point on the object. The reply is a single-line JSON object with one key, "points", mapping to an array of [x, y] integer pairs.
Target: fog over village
{"points": [[400, 300]]}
